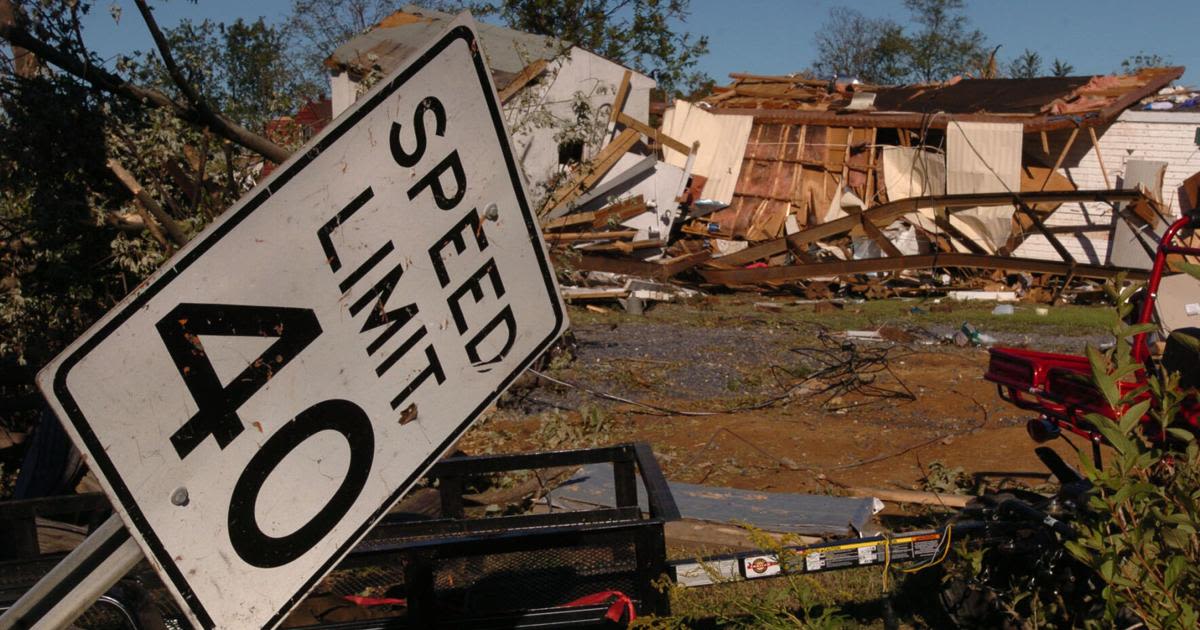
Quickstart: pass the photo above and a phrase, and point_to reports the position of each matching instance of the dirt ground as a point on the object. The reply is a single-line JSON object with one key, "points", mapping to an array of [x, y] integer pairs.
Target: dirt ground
{"points": [[733, 356]]}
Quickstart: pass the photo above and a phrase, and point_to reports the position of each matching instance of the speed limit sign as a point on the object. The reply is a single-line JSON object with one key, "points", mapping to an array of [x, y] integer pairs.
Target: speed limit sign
{"points": [[263, 399]]}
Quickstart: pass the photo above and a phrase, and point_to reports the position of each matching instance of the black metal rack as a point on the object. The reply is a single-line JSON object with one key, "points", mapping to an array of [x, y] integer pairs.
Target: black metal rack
{"points": [[495, 572]]}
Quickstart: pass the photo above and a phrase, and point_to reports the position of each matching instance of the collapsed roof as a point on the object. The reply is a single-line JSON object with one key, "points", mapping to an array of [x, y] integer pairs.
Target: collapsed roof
{"points": [[1040, 104]]}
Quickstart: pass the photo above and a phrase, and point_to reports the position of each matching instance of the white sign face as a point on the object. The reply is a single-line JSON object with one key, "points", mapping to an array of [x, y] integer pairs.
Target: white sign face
{"points": [[264, 399]]}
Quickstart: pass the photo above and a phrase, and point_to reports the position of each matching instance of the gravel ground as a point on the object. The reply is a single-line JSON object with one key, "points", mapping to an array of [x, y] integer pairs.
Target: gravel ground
{"points": [[656, 361]]}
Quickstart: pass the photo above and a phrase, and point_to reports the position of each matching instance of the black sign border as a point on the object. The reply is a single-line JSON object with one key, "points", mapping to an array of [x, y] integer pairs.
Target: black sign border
{"points": [[96, 451]]}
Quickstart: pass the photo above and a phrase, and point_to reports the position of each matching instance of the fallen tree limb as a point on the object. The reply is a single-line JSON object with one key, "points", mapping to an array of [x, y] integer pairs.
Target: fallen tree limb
{"points": [[106, 81], [178, 236]]}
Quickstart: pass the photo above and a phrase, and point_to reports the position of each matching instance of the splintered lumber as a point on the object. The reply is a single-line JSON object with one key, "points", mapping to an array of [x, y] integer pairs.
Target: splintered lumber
{"points": [[884, 214], [792, 273], [613, 214], [570, 237], [618, 105], [531, 72], [572, 294], [624, 247], [587, 175], [652, 133], [957, 501], [1061, 156], [661, 270]]}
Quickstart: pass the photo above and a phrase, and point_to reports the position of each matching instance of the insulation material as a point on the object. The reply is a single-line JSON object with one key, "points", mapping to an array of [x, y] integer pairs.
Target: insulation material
{"points": [[980, 158], [914, 172], [722, 144]]}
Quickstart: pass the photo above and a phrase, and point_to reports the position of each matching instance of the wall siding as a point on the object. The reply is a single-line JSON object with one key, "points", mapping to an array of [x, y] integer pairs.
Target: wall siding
{"points": [[1155, 136]]}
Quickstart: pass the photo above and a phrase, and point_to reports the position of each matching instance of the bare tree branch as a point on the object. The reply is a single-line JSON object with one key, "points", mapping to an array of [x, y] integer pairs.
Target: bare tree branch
{"points": [[164, 50], [107, 81], [126, 178]]}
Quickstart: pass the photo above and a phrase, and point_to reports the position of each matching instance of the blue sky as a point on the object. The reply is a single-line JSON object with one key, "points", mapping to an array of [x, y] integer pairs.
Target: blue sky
{"points": [[775, 36]]}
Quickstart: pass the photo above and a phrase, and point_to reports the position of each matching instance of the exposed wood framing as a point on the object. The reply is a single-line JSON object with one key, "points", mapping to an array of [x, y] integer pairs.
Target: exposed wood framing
{"points": [[587, 175], [653, 270], [652, 133], [1059, 161], [1099, 157], [791, 273], [618, 104], [884, 214], [531, 72], [882, 241], [615, 213]]}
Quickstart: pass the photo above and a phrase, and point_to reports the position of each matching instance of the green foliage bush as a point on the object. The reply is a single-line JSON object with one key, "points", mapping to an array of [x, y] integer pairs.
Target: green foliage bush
{"points": [[1139, 534]]}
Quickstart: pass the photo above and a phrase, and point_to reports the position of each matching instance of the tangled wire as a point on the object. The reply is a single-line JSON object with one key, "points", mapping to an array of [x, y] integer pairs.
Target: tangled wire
{"points": [[845, 367]]}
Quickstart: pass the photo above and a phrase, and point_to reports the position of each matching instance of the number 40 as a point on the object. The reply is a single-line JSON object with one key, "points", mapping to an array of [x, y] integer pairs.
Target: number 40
{"points": [[216, 415]]}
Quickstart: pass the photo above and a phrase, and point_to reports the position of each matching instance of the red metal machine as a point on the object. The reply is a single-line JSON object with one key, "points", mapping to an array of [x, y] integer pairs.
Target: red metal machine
{"points": [[1058, 386]]}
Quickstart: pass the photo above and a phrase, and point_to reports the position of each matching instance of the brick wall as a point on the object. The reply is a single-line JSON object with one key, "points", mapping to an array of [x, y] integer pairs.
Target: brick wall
{"points": [[1136, 135]]}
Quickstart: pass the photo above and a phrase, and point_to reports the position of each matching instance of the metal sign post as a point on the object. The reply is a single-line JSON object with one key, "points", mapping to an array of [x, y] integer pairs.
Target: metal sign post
{"points": [[265, 397]]}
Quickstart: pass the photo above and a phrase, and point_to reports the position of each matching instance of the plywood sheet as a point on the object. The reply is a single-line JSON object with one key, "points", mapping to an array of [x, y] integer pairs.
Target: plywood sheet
{"points": [[722, 146]]}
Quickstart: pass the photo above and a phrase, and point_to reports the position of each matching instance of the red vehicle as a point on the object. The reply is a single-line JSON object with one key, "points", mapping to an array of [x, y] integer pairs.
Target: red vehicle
{"points": [[1058, 386]]}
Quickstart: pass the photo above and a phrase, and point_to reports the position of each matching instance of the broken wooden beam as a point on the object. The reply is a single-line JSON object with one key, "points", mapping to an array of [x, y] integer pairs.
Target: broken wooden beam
{"points": [[884, 214], [791, 273]]}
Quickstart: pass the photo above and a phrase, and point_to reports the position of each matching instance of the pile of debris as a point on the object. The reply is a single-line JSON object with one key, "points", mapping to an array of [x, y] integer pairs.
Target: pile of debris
{"points": [[820, 187]]}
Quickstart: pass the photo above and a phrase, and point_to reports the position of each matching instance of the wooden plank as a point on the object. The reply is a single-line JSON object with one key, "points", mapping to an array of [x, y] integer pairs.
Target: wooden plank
{"points": [[623, 246], [587, 175], [888, 212], [875, 234], [570, 237], [1099, 158], [529, 73], [944, 225], [618, 105], [1041, 228], [652, 133], [619, 212], [794, 273], [1061, 156]]}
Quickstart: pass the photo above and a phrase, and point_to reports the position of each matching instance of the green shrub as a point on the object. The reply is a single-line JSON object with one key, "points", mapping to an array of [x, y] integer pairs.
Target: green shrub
{"points": [[1139, 533]]}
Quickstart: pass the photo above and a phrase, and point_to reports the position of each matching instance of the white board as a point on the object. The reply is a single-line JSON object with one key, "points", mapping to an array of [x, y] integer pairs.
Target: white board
{"points": [[264, 398]]}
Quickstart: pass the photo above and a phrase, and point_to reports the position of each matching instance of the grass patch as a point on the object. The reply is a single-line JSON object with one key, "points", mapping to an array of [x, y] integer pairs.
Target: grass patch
{"points": [[738, 310]]}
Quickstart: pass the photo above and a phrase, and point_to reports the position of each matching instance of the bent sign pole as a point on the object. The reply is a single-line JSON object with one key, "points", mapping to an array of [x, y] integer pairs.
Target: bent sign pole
{"points": [[260, 402]]}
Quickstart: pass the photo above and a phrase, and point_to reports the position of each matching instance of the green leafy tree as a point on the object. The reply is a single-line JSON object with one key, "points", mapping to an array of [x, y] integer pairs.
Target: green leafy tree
{"points": [[639, 34], [1027, 65], [1061, 68], [315, 28], [944, 44], [852, 44], [242, 69], [939, 45], [74, 238], [1142, 60]]}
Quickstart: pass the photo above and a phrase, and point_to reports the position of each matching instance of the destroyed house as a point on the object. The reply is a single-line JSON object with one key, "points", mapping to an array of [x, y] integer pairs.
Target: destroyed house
{"points": [[791, 180], [542, 83], [808, 147]]}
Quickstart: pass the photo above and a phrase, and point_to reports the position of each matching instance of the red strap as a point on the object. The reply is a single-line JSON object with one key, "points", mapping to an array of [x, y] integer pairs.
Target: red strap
{"points": [[359, 600], [621, 605]]}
